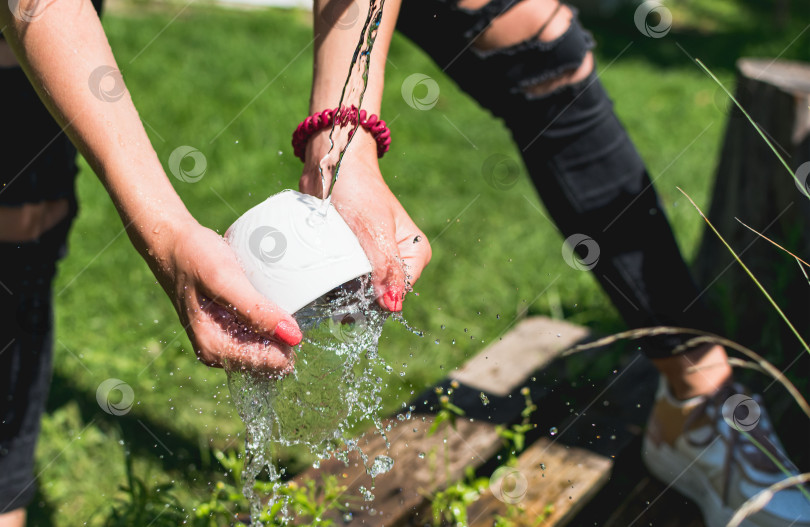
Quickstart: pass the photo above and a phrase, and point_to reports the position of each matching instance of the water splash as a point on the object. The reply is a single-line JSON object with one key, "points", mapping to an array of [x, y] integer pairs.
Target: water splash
{"points": [[381, 465], [332, 389]]}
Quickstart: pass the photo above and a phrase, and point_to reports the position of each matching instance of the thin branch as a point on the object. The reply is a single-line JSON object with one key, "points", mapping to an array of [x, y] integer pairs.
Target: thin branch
{"points": [[702, 337], [748, 271], [773, 242], [755, 504]]}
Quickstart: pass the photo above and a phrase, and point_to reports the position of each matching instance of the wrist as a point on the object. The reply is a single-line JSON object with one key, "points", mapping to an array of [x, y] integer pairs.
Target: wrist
{"points": [[362, 145], [362, 152], [156, 235]]}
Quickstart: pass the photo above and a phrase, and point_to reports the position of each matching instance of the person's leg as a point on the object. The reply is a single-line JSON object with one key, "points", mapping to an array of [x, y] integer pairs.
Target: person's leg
{"points": [[37, 205], [26, 322], [15, 518], [530, 63]]}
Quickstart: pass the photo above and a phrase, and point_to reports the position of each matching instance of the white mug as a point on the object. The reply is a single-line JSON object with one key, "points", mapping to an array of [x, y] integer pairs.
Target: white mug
{"points": [[292, 252]]}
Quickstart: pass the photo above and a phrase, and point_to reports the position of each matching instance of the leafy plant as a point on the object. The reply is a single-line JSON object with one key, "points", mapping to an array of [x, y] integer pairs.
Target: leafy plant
{"points": [[448, 412], [450, 505], [143, 504], [159, 506], [310, 502], [515, 436]]}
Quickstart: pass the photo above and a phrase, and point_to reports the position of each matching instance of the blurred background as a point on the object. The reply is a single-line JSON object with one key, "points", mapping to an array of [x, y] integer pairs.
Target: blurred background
{"points": [[233, 81]]}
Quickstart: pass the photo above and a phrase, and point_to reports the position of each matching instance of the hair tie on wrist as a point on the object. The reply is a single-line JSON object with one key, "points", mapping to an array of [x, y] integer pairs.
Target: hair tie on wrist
{"points": [[324, 119]]}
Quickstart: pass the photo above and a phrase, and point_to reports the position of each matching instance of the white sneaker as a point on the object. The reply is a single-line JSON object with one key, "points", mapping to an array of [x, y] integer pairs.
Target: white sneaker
{"points": [[699, 447]]}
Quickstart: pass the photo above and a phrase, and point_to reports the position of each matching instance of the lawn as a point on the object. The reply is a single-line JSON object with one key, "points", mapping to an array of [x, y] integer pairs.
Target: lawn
{"points": [[234, 84]]}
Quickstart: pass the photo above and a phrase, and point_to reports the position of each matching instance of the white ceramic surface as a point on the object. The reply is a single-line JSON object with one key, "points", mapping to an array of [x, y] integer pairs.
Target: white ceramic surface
{"points": [[293, 254]]}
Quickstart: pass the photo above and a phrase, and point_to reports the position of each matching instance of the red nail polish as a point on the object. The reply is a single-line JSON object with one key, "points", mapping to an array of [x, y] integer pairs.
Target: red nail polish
{"points": [[393, 300], [288, 333]]}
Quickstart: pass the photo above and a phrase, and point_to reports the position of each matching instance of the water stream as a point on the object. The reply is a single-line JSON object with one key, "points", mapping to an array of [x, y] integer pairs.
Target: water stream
{"points": [[352, 95], [335, 386]]}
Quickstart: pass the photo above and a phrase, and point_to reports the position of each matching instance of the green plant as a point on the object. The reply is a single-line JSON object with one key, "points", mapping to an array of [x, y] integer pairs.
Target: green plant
{"points": [[143, 504], [516, 512], [309, 502], [448, 412], [450, 504], [515, 436], [158, 505]]}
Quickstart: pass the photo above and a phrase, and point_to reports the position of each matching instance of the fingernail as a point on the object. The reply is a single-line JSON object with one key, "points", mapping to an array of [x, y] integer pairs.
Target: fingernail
{"points": [[288, 332], [393, 300]]}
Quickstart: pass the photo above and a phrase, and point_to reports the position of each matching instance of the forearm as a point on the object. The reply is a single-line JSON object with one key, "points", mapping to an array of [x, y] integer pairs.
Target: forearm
{"points": [[335, 42], [338, 25], [60, 50]]}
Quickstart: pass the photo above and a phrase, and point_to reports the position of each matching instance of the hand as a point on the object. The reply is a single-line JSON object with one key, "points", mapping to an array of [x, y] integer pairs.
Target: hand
{"points": [[397, 250], [226, 319]]}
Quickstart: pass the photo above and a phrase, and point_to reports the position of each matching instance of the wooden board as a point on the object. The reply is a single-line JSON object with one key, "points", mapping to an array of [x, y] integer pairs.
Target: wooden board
{"points": [[508, 362], [419, 467], [552, 481]]}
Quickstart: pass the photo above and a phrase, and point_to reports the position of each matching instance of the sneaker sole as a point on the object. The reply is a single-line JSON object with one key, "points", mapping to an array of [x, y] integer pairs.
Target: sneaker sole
{"points": [[665, 463]]}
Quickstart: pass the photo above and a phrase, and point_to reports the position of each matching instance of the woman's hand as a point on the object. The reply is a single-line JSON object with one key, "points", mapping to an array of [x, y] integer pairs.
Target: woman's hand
{"points": [[226, 319], [397, 250]]}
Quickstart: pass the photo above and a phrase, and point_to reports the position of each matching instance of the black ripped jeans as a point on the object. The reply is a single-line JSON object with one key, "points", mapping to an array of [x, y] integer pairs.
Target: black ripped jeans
{"points": [[580, 158]]}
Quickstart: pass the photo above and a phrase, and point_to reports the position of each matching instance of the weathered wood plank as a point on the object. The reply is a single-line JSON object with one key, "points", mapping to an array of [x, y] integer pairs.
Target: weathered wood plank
{"points": [[552, 481], [507, 363], [419, 467]]}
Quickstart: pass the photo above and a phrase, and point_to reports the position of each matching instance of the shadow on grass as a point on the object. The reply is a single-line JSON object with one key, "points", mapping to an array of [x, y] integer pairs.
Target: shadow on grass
{"points": [[175, 450], [726, 38]]}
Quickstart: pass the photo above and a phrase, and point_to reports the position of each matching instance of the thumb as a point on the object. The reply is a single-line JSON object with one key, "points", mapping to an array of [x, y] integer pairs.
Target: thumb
{"points": [[230, 287]]}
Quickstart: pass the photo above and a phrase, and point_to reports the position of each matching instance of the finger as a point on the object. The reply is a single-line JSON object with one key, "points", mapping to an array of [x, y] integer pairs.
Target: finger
{"points": [[379, 243], [415, 250], [222, 338], [230, 287]]}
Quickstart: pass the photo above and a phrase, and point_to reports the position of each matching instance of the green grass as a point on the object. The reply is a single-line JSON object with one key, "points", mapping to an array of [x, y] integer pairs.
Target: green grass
{"points": [[489, 264]]}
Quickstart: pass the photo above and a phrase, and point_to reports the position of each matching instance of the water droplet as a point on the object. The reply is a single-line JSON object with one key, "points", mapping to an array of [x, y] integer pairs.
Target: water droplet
{"points": [[381, 465], [421, 454], [367, 495], [436, 341], [484, 399], [542, 466], [553, 431]]}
